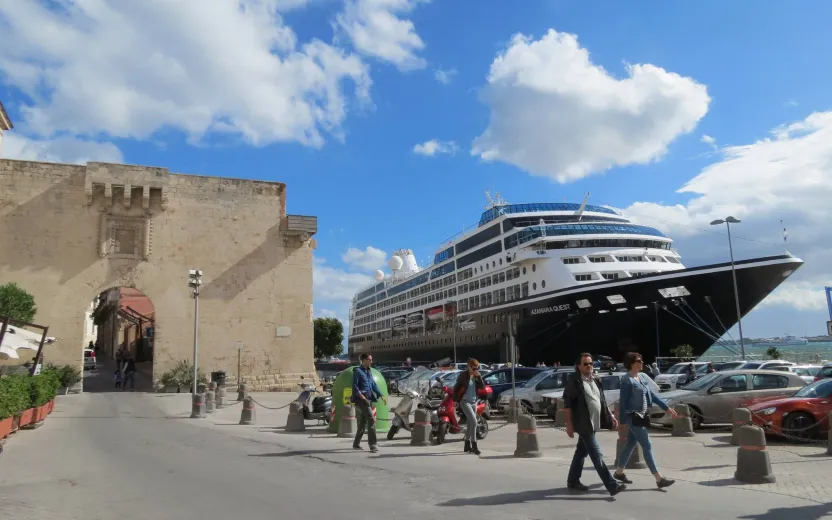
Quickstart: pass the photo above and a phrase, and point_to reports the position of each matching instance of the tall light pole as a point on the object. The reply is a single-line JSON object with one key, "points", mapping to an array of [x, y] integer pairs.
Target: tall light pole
{"points": [[194, 281], [454, 325], [728, 221]]}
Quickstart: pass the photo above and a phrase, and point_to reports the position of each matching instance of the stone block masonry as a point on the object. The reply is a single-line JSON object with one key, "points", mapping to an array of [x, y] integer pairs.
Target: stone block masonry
{"points": [[68, 232]]}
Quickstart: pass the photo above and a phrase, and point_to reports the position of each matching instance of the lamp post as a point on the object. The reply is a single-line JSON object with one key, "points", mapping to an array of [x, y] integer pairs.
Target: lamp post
{"points": [[194, 281], [728, 221], [453, 322]]}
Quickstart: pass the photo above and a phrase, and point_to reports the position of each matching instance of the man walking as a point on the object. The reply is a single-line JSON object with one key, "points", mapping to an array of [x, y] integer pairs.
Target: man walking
{"points": [[365, 392], [586, 413]]}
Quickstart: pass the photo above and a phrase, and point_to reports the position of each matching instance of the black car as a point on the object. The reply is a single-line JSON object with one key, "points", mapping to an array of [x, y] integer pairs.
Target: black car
{"points": [[500, 380]]}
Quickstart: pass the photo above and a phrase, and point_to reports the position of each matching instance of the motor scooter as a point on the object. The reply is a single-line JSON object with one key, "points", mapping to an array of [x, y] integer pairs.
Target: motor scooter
{"points": [[403, 411], [451, 419], [320, 406]]}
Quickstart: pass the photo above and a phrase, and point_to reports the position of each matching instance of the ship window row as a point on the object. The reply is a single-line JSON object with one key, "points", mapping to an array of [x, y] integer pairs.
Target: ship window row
{"points": [[489, 215], [441, 256], [480, 238], [588, 277], [439, 296], [531, 233], [487, 281], [514, 292], [522, 222], [607, 242], [362, 308], [481, 254], [442, 271]]}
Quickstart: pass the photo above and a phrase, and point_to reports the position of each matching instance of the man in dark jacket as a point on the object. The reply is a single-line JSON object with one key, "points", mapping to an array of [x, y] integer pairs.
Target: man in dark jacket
{"points": [[586, 413], [365, 392]]}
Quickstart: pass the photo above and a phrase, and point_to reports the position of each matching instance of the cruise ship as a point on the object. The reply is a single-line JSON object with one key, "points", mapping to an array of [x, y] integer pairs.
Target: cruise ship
{"points": [[572, 277]]}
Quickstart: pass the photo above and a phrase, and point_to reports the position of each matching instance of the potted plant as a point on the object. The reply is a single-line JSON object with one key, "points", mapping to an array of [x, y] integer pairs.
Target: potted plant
{"points": [[169, 382]]}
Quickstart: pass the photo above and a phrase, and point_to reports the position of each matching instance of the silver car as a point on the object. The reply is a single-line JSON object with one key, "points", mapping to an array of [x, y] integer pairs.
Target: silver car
{"points": [[713, 398]]}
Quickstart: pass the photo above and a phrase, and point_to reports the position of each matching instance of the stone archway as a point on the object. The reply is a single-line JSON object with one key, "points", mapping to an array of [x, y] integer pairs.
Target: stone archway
{"points": [[69, 231]]}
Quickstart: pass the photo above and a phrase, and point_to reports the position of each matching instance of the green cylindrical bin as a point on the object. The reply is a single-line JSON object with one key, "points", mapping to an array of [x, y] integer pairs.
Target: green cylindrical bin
{"points": [[342, 392]]}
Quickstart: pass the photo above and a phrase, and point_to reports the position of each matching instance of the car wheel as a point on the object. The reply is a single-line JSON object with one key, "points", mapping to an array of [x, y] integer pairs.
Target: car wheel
{"points": [[696, 417], [800, 426]]}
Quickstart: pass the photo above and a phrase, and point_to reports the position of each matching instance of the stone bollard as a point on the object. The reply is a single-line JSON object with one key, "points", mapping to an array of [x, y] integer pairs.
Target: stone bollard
{"points": [[201, 388], [219, 398], [242, 391], [212, 386], [527, 445], [348, 425], [514, 409], [295, 422], [209, 401], [739, 417], [420, 433], [560, 415], [829, 435], [197, 406], [248, 415], [682, 425], [753, 463]]}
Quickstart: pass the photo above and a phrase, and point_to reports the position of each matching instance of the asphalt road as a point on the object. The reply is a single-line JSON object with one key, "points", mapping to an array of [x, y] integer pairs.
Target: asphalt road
{"points": [[125, 456]]}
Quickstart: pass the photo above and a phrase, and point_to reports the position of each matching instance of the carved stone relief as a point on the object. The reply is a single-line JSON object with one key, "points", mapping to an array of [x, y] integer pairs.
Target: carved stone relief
{"points": [[125, 237]]}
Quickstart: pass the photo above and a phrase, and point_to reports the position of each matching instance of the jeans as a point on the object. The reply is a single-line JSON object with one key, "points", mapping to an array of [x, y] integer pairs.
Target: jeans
{"points": [[637, 434], [365, 422], [130, 376], [470, 420], [588, 445]]}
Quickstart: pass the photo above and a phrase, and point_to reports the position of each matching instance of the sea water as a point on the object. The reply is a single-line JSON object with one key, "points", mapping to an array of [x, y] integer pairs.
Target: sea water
{"points": [[810, 353]]}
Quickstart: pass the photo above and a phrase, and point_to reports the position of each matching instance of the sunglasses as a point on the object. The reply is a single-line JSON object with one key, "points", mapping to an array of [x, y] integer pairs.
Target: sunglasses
{"points": [[586, 364], [475, 368]]}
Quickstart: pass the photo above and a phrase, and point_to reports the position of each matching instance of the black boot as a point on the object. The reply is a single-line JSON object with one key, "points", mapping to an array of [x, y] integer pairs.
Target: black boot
{"points": [[467, 446], [474, 448]]}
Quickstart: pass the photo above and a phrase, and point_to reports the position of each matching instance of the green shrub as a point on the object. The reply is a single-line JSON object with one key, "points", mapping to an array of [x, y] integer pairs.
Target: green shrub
{"points": [[21, 392]]}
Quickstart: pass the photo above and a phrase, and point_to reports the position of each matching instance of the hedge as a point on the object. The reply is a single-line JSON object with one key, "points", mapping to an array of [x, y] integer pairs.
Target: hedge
{"points": [[21, 392]]}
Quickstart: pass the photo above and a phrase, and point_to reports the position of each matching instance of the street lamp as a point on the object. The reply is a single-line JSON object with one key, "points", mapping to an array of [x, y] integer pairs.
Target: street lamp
{"points": [[453, 323], [194, 281], [728, 221]]}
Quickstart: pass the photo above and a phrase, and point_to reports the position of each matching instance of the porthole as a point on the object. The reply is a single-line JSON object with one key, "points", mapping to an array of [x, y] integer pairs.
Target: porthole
{"points": [[534, 286], [534, 267], [493, 263], [501, 262], [543, 284], [524, 270]]}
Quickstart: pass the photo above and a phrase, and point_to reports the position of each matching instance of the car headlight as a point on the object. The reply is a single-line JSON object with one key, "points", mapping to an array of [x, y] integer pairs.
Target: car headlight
{"points": [[768, 411]]}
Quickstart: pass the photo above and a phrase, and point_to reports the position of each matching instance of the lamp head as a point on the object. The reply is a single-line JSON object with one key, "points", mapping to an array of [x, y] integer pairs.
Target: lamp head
{"points": [[717, 222], [732, 220]]}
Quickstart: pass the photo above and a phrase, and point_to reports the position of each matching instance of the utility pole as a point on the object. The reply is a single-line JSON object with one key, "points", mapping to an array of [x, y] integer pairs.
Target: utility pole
{"points": [[239, 363], [454, 335], [194, 281], [512, 331]]}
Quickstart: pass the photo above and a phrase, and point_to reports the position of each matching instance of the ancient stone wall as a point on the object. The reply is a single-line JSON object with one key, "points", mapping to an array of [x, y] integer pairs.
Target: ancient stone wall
{"points": [[69, 232]]}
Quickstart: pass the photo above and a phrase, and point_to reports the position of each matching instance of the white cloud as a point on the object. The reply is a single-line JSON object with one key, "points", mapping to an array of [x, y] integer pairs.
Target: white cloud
{"points": [[708, 140], [378, 28], [368, 259], [333, 290], [555, 113], [65, 150], [444, 76], [434, 147], [781, 181], [130, 69]]}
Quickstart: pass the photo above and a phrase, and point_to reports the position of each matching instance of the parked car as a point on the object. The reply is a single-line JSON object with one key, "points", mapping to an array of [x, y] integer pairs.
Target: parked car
{"points": [[530, 394], [806, 372], [766, 365], [676, 375], [802, 416], [713, 398], [612, 390], [824, 372], [500, 381], [729, 365], [391, 374], [89, 359]]}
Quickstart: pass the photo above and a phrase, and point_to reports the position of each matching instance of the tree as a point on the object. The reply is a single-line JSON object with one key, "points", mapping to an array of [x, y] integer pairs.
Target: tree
{"points": [[683, 351], [773, 353], [329, 334], [16, 303]]}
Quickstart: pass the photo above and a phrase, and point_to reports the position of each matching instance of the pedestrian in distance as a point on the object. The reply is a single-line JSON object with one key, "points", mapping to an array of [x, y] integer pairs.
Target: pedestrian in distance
{"points": [[466, 394], [117, 379], [587, 412], [365, 392], [636, 399]]}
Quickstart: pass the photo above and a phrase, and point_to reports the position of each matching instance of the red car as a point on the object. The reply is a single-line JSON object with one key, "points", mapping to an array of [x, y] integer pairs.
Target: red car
{"points": [[801, 416]]}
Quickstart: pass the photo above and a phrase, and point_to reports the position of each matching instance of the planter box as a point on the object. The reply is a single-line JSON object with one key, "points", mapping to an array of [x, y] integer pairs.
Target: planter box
{"points": [[25, 418], [6, 427], [51, 406]]}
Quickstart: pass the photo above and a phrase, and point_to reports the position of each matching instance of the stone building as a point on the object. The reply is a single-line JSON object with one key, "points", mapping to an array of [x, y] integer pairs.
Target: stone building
{"points": [[68, 233], [5, 125]]}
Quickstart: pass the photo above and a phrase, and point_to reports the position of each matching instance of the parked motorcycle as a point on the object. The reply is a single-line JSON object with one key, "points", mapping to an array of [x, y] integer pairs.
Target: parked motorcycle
{"points": [[316, 408], [451, 419]]}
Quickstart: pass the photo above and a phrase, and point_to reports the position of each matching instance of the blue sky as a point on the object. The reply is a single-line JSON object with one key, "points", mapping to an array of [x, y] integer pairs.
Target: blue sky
{"points": [[541, 100]]}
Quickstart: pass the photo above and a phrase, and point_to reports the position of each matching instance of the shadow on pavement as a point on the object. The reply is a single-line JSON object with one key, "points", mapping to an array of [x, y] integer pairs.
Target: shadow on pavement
{"points": [[718, 466], [302, 453], [596, 492], [812, 512]]}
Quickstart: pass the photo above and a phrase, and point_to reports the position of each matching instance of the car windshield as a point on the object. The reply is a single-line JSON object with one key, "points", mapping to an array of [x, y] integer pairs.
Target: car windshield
{"points": [[805, 371], [539, 377], [701, 369], [752, 366], [820, 389], [677, 368], [450, 379], [703, 382], [732, 365]]}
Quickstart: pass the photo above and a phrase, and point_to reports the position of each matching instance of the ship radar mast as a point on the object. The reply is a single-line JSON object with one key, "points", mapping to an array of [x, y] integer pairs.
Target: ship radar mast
{"points": [[494, 202]]}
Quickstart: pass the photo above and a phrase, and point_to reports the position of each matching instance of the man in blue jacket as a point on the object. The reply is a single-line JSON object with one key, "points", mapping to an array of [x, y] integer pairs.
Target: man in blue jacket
{"points": [[365, 392]]}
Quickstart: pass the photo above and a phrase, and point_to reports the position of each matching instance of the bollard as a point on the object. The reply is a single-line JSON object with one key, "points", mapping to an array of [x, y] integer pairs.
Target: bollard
{"points": [[739, 417], [197, 406], [829, 434], [753, 463], [219, 398], [242, 391], [527, 445], [420, 433], [348, 425], [560, 415], [201, 388], [248, 415], [682, 425], [295, 422], [212, 386], [209, 401]]}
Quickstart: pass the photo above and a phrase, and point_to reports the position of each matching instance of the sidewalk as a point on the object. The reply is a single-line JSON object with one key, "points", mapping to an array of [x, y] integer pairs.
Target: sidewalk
{"points": [[707, 460]]}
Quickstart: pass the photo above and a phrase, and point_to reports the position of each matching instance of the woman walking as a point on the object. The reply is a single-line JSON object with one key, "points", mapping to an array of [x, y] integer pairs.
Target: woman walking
{"points": [[465, 394], [634, 419]]}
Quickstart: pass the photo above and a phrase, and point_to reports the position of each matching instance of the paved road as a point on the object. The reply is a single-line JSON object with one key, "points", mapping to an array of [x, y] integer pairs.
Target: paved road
{"points": [[137, 456]]}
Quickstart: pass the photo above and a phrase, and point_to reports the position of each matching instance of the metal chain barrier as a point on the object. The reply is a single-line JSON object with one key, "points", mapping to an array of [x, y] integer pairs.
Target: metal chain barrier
{"points": [[258, 403]]}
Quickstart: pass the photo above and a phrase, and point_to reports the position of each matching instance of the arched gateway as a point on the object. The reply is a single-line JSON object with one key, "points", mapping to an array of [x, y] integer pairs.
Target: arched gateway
{"points": [[69, 232]]}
